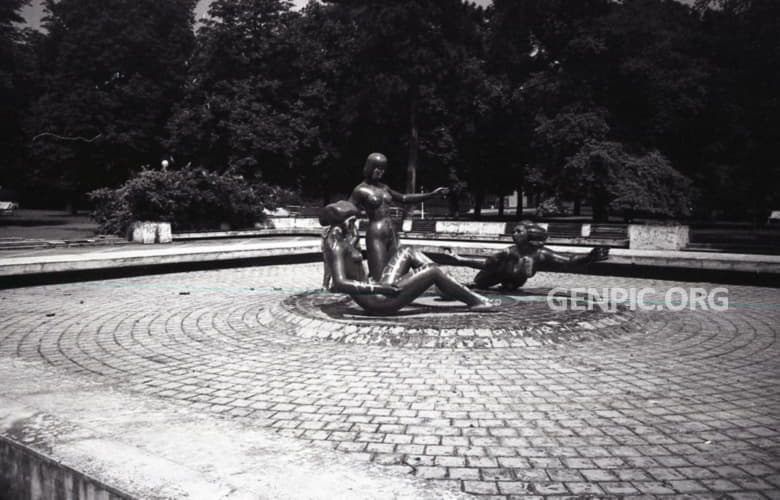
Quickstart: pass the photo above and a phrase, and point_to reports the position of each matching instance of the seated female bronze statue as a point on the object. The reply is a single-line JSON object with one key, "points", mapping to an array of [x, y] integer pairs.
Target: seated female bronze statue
{"points": [[407, 275], [375, 197], [512, 266]]}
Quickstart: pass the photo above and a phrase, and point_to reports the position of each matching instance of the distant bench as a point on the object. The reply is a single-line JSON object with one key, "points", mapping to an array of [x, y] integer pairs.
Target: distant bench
{"points": [[7, 207], [610, 235]]}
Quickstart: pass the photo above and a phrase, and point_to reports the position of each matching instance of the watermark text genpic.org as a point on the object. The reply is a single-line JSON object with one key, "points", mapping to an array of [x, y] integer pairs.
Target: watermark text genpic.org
{"points": [[643, 299]]}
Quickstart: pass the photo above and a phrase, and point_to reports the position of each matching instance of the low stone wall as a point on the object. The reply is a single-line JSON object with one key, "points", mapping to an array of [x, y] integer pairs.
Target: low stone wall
{"points": [[292, 223], [658, 237], [640, 236], [470, 227], [25, 474]]}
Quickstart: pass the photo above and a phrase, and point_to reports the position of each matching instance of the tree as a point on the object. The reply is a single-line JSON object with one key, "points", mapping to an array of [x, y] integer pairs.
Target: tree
{"points": [[559, 138], [111, 73], [611, 85], [13, 54], [549, 55], [493, 123], [326, 48], [743, 114], [610, 177], [411, 55], [241, 109]]}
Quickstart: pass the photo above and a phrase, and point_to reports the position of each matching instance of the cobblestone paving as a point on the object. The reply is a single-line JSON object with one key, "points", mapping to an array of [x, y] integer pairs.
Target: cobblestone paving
{"points": [[689, 406]]}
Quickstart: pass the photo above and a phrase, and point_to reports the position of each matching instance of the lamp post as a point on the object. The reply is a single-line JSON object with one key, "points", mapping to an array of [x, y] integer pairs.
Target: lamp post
{"points": [[422, 204]]}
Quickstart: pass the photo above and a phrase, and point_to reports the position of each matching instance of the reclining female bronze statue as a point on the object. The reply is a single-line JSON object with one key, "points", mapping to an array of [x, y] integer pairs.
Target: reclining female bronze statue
{"points": [[512, 266], [406, 276]]}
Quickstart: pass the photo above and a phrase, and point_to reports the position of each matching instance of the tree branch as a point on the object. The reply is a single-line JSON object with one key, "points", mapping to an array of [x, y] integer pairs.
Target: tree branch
{"points": [[57, 136]]}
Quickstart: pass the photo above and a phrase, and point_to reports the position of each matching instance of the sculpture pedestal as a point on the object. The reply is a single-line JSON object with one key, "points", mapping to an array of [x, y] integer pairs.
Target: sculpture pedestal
{"points": [[523, 320]]}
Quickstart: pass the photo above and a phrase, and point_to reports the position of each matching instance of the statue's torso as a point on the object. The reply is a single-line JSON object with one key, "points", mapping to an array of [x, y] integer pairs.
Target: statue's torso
{"points": [[375, 199], [519, 263]]}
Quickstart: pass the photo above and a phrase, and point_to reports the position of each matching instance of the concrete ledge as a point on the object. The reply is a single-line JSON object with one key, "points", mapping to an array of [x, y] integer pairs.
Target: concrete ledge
{"points": [[247, 233], [407, 228], [744, 263], [100, 435], [236, 253], [26, 473], [291, 223], [489, 237], [506, 239], [150, 256]]}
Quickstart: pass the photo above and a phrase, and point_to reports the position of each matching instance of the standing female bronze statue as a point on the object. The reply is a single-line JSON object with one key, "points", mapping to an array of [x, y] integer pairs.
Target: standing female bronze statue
{"points": [[375, 197], [407, 275]]}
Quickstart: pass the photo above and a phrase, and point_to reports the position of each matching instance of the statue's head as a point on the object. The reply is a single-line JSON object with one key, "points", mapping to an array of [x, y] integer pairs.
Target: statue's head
{"points": [[338, 213], [374, 166], [529, 232]]}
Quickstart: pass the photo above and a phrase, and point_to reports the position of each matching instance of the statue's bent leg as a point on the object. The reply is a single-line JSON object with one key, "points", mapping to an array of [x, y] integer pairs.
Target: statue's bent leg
{"points": [[326, 274], [419, 259], [400, 264], [486, 278], [411, 286], [449, 286], [513, 282]]}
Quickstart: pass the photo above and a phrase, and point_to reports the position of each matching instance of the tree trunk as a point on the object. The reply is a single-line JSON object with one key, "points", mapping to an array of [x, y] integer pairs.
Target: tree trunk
{"points": [[414, 147], [577, 206], [600, 212], [479, 198], [72, 205], [500, 205], [519, 209]]}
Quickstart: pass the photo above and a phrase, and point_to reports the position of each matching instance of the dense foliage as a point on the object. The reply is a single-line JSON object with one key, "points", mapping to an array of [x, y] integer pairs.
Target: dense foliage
{"points": [[187, 198], [635, 107], [110, 71]]}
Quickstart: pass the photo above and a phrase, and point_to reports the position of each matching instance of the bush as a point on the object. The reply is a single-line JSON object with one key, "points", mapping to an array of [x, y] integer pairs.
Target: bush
{"points": [[551, 207], [188, 199]]}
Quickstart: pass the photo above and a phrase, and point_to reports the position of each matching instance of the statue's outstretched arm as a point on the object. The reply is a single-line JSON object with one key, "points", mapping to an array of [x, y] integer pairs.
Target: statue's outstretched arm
{"points": [[417, 197], [474, 262], [551, 257]]}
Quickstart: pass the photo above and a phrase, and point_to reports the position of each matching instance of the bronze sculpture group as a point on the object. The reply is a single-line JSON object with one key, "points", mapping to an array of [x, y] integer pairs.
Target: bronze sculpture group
{"points": [[398, 275], [407, 274]]}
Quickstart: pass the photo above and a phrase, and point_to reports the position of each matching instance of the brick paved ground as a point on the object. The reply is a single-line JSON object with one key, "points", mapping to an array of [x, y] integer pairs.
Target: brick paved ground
{"points": [[688, 406]]}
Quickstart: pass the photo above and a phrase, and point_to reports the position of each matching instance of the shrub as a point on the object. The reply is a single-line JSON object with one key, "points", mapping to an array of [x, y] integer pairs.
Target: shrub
{"points": [[188, 199], [551, 207], [610, 176]]}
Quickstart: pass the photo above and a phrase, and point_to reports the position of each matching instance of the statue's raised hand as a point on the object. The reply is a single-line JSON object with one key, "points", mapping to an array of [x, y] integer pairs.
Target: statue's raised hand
{"points": [[443, 191], [450, 257], [598, 253]]}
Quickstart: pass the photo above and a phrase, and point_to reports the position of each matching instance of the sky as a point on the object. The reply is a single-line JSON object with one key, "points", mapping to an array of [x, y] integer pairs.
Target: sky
{"points": [[34, 12]]}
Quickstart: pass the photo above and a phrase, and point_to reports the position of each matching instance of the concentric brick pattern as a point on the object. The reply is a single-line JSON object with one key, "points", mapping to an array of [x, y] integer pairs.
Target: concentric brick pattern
{"points": [[522, 320], [687, 405]]}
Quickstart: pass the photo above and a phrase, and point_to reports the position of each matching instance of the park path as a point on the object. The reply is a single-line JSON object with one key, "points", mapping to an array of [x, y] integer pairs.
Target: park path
{"points": [[689, 405]]}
